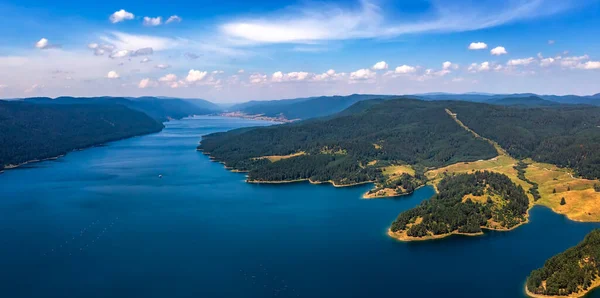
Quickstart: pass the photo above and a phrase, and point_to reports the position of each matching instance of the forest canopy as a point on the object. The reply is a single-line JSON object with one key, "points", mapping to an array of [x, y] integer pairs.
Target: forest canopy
{"points": [[572, 271], [37, 131], [465, 203], [341, 148]]}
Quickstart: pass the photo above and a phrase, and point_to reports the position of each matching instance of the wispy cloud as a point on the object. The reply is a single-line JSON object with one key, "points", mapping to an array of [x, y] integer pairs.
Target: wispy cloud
{"points": [[332, 22], [125, 41]]}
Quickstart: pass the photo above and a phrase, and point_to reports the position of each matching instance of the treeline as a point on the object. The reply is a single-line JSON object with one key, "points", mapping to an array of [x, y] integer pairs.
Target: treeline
{"points": [[566, 135], [520, 167], [403, 131], [37, 131], [569, 272], [446, 212]]}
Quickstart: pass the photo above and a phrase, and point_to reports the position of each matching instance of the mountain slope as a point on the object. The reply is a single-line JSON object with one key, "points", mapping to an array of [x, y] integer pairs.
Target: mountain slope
{"points": [[38, 131], [302, 108], [564, 135], [350, 147], [158, 108], [356, 144]]}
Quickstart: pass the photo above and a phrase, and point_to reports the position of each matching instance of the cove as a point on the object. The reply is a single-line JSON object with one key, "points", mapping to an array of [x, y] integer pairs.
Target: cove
{"points": [[100, 223]]}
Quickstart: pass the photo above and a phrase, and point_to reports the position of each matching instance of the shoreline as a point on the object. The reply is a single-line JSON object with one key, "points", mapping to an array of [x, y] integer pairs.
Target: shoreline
{"points": [[304, 180], [259, 118], [405, 238], [366, 197], [595, 285], [16, 166]]}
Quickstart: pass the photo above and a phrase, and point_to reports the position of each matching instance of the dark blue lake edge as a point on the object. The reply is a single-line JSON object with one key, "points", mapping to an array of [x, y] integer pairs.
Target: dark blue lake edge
{"points": [[100, 223]]}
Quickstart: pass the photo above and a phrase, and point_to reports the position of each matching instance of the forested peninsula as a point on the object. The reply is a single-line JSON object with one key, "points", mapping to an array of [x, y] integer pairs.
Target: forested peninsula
{"points": [[31, 132], [572, 273], [464, 204], [546, 155]]}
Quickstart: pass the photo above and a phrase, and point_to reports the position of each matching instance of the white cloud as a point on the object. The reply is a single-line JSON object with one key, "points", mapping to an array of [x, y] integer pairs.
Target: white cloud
{"points": [[173, 19], [497, 51], [241, 71], [330, 75], [100, 49], [149, 21], [405, 69], [381, 65], [319, 22], [449, 65], [145, 60], [145, 83], [572, 61], [591, 65], [119, 54], [362, 74], [163, 66], [2, 86], [478, 46], [112, 75], [121, 15], [545, 62], [168, 78], [42, 43], [195, 75], [290, 76], [257, 78], [551, 42], [217, 72], [520, 62], [484, 66]]}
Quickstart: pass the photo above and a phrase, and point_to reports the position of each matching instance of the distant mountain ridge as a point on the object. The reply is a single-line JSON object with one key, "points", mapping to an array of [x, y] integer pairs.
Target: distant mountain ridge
{"points": [[156, 107], [314, 107], [303, 108]]}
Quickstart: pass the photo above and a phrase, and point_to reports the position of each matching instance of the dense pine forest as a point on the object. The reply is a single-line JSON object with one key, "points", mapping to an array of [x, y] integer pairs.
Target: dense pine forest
{"points": [[413, 132], [572, 271], [566, 135], [464, 204], [37, 131], [342, 148]]}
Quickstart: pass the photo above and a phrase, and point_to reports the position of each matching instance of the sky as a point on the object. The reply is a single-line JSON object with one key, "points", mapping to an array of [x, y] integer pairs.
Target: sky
{"points": [[233, 51]]}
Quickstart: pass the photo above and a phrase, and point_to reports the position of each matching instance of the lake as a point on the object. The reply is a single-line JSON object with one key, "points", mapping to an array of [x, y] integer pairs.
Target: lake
{"points": [[101, 223]]}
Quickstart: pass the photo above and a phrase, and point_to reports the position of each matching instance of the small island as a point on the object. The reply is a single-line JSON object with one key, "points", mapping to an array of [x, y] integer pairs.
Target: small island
{"points": [[573, 273], [465, 204]]}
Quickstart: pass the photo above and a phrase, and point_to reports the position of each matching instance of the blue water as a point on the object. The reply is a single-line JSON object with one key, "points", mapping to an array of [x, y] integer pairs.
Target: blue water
{"points": [[100, 223]]}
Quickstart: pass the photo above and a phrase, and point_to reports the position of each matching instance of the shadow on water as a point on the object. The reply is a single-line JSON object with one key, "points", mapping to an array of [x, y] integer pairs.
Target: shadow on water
{"points": [[101, 223]]}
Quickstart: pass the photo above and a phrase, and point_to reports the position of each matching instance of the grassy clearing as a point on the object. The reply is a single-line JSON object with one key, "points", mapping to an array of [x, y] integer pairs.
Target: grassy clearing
{"points": [[393, 171], [275, 158], [501, 164], [554, 183], [582, 201]]}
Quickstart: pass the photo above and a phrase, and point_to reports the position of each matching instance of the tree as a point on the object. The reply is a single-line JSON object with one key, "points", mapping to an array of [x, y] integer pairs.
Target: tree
{"points": [[563, 201], [554, 190]]}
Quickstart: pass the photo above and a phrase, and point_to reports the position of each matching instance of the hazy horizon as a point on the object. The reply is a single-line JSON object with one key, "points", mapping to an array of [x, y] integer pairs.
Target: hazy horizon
{"points": [[234, 51]]}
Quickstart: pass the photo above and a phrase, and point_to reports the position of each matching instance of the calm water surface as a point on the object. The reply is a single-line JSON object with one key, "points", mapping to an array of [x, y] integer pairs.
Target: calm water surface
{"points": [[100, 223]]}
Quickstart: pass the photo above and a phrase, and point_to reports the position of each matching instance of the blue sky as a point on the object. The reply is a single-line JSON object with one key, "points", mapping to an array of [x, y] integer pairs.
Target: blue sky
{"points": [[233, 51]]}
